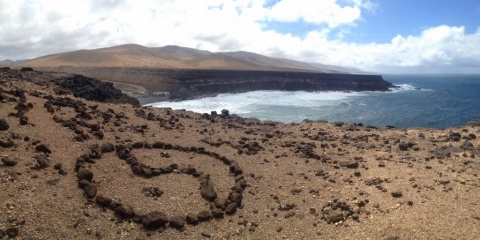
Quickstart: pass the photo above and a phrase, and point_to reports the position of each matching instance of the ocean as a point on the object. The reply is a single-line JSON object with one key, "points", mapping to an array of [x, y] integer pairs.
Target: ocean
{"points": [[425, 101]]}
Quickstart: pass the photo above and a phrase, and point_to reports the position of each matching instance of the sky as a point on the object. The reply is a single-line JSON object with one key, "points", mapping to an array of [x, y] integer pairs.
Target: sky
{"points": [[385, 36]]}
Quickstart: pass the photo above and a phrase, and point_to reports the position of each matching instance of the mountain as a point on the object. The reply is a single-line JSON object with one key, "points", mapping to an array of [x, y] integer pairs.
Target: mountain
{"points": [[173, 57], [8, 62]]}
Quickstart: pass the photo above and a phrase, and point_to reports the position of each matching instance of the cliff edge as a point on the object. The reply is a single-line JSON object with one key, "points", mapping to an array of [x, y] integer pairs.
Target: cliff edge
{"points": [[181, 84]]}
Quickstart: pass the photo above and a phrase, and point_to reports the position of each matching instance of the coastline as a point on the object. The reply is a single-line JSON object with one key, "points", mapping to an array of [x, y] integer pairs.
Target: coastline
{"points": [[181, 84]]}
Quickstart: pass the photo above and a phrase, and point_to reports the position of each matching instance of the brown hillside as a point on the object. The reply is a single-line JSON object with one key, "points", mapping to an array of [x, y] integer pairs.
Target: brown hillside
{"points": [[132, 55], [121, 56]]}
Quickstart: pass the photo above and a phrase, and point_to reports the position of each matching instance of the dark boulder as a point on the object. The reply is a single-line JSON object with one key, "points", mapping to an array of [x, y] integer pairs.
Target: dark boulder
{"points": [[6, 144], [349, 164], [125, 211], [192, 219], [107, 147], [42, 162], [103, 201], [90, 190], [403, 146], [4, 125], [204, 216], [43, 148], [155, 219], [9, 161], [85, 174], [207, 190], [231, 208], [177, 222]]}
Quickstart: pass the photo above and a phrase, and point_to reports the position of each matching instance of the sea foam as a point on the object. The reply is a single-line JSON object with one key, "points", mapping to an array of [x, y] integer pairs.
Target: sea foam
{"points": [[250, 102]]}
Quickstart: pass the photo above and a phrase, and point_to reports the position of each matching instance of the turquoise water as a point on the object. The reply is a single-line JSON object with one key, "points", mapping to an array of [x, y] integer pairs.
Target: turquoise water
{"points": [[433, 101]]}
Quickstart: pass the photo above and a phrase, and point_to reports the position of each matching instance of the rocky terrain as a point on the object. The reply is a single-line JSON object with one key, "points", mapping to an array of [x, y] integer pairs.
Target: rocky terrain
{"points": [[181, 84], [80, 160]]}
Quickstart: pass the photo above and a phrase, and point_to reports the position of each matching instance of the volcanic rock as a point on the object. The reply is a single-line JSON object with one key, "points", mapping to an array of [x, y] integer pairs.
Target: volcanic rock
{"points": [[204, 216], [6, 144], [85, 174], [43, 148], [192, 219], [107, 147], [177, 222], [12, 232], [4, 125], [90, 190], [155, 219], [103, 201], [231, 208], [349, 164], [207, 191], [10, 162], [42, 162], [125, 211], [397, 194]]}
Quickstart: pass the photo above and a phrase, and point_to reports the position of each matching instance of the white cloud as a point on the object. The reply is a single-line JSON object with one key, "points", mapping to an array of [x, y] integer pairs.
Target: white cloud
{"points": [[312, 11], [33, 28]]}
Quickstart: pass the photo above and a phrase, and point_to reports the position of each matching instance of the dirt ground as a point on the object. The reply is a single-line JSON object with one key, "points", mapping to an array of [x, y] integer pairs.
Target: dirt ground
{"points": [[76, 169]]}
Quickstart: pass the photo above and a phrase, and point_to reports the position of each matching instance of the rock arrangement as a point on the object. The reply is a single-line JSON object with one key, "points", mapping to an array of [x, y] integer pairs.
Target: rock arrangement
{"points": [[158, 219], [154, 219]]}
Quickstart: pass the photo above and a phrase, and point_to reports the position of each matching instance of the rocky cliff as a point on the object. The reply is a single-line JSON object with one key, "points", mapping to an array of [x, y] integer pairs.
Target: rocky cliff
{"points": [[188, 84], [206, 82]]}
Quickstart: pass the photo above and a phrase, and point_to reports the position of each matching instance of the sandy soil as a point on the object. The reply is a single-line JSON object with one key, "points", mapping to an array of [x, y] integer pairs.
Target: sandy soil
{"points": [[76, 169]]}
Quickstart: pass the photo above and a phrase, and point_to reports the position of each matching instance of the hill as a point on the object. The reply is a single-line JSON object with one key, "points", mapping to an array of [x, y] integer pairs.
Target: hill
{"points": [[175, 57]]}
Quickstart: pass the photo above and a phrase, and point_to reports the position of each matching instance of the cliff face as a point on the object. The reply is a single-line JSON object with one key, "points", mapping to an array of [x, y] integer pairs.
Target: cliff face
{"points": [[188, 84], [205, 82]]}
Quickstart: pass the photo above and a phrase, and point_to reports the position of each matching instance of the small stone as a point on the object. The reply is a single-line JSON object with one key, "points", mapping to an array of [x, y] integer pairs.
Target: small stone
{"points": [[403, 146], [207, 191], [177, 222], [6, 144], [42, 162], [217, 213], [9, 161], [155, 219], [57, 166], [231, 208], [4, 125], [397, 194], [107, 147], [392, 238], [192, 219], [85, 174], [103, 201], [279, 229], [53, 182], [349, 164], [43, 148], [12, 232], [204, 216], [83, 183], [90, 190], [125, 211], [207, 235]]}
